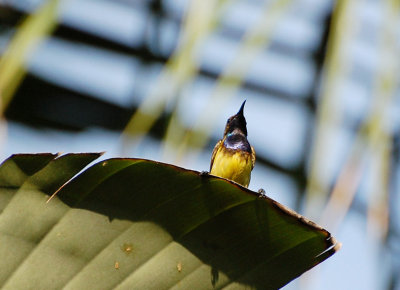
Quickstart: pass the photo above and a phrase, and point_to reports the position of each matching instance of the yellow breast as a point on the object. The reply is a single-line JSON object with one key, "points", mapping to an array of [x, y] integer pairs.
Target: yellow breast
{"points": [[233, 165]]}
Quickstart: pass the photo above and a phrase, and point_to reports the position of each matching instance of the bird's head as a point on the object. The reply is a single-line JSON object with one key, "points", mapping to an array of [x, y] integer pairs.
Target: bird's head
{"points": [[237, 123]]}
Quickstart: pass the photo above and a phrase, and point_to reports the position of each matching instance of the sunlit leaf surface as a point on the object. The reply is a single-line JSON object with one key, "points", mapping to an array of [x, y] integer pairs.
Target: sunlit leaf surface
{"points": [[140, 224]]}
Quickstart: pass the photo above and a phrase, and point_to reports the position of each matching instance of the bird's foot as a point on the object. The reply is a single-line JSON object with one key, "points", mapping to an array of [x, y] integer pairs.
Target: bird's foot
{"points": [[261, 192], [204, 173]]}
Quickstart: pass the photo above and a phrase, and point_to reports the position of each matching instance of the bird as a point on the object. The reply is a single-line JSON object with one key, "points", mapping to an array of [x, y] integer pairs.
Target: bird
{"points": [[233, 157]]}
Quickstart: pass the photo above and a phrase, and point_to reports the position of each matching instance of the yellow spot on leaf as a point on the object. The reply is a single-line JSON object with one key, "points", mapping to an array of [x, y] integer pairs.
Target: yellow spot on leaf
{"points": [[127, 248], [179, 267], [116, 265]]}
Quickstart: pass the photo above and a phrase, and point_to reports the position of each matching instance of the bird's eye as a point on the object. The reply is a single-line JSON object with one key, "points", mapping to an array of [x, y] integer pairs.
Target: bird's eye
{"points": [[228, 121]]}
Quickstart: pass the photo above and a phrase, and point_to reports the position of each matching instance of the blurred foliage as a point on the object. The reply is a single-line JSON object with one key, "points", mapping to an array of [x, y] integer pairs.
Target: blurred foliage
{"points": [[179, 69], [373, 138], [253, 43], [32, 30]]}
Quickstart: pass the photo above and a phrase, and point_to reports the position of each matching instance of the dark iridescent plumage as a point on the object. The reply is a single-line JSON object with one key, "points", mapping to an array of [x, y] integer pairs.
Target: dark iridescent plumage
{"points": [[237, 142]]}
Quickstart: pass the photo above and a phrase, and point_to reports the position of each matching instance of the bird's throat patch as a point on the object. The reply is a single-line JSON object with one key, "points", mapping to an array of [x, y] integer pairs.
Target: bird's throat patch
{"points": [[237, 142]]}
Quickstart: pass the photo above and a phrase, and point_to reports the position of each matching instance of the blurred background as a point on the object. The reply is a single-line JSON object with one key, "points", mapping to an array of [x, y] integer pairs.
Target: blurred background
{"points": [[157, 79]]}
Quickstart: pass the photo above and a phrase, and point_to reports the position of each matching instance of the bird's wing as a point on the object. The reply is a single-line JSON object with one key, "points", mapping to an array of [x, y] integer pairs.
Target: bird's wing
{"points": [[219, 143], [253, 157]]}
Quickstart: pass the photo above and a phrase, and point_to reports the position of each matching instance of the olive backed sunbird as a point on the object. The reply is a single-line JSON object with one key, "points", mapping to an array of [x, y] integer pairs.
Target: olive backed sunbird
{"points": [[233, 157]]}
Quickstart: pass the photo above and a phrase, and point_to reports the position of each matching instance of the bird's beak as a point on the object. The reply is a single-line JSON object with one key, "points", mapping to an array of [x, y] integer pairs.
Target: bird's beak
{"points": [[241, 109]]}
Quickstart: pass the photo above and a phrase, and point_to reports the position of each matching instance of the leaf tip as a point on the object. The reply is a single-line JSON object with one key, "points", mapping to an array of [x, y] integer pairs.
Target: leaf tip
{"points": [[337, 245]]}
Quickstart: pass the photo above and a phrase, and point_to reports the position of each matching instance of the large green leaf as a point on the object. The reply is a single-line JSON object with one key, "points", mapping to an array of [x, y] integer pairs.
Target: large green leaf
{"points": [[140, 224]]}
